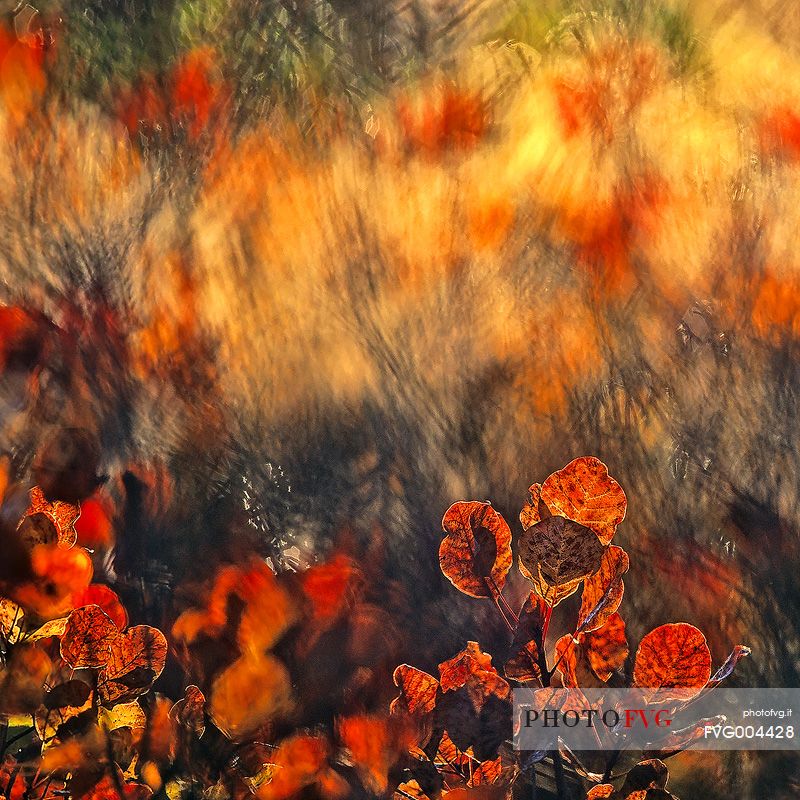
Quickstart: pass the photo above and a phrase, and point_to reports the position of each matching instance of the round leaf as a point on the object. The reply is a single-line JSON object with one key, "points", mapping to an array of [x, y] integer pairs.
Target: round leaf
{"points": [[477, 548]]}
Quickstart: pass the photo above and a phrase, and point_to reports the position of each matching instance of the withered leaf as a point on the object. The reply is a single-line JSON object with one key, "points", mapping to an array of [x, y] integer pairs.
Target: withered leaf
{"points": [[649, 774], [673, 660], [523, 665], [417, 690], [473, 669], [584, 492], [561, 550], [87, 638], [725, 671], [51, 518], [60, 705], [140, 647], [602, 592], [476, 548], [534, 509], [600, 792], [606, 647], [189, 711], [551, 595]]}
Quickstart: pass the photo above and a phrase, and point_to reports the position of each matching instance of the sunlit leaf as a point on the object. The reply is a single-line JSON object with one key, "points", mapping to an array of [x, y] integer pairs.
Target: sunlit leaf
{"points": [[472, 668], [476, 548], [99, 594], [584, 492], [62, 515], [87, 637], [298, 762], [251, 691], [417, 690], [673, 660], [606, 647], [602, 591]]}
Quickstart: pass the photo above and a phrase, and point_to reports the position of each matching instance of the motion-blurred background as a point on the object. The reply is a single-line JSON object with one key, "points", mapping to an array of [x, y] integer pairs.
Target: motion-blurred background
{"points": [[311, 271]]}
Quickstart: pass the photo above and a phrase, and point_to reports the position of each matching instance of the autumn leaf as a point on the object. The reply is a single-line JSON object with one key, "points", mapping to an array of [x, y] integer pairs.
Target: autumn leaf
{"points": [[251, 691], [559, 552], [585, 493], [527, 641], [122, 715], [99, 594], [472, 668], [534, 509], [59, 705], [606, 647], [61, 515], [298, 762], [600, 792], [476, 549], [674, 661], [11, 617], [189, 711], [87, 637], [59, 574], [136, 658], [726, 670], [269, 610], [374, 744], [22, 680], [602, 591], [417, 690]]}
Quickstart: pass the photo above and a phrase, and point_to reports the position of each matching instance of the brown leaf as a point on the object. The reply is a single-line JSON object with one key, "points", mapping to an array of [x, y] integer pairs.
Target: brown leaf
{"points": [[524, 662], [674, 660], [725, 671], [22, 680], [60, 515], [136, 659], [602, 592], [551, 595], [189, 711], [87, 637], [560, 550], [584, 492], [417, 690], [473, 668], [61, 704], [252, 690], [477, 548], [649, 774], [606, 647]]}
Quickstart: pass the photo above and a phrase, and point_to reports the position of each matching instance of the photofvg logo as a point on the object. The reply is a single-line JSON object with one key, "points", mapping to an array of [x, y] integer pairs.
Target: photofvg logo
{"points": [[656, 719]]}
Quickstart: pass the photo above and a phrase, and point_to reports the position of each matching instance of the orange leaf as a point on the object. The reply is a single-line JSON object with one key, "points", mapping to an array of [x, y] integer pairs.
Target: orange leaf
{"points": [[63, 517], [93, 527], [86, 641], [606, 647], [250, 692], [59, 575], [584, 492], [298, 762], [329, 587], [600, 792], [417, 690], [602, 592], [190, 710], [22, 680], [674, 660], [473, 668], [375, 744], [99, 594], [477, 548]]}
